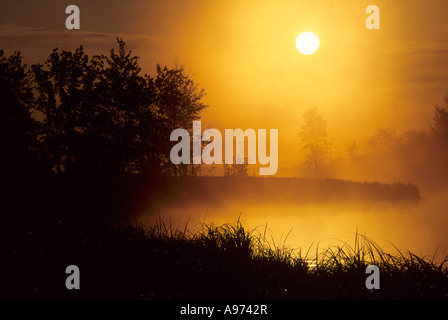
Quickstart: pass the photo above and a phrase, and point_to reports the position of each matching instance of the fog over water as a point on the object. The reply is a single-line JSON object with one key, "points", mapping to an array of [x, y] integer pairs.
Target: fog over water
{"points": [[417, 226]]}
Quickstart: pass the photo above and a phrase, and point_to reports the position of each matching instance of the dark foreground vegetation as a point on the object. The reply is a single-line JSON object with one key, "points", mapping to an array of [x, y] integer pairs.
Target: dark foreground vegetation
{"points": [[117, 260]]}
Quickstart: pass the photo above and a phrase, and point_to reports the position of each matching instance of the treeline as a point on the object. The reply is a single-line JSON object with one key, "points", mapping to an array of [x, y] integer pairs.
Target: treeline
{"points": [[273, 190], [416, 156], [75, 114], [419, 156]]}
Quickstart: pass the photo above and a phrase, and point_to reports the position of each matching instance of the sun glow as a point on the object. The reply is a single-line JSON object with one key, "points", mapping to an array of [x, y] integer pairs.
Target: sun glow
{"points": [[307, 43]]}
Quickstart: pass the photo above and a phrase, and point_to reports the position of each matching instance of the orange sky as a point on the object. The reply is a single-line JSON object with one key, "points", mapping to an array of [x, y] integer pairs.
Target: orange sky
{"points": [[243, 54]]}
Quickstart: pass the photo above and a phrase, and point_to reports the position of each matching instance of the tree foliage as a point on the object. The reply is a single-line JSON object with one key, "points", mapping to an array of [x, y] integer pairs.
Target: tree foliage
{"points": [[440, 121], [419, 156], [18, 127], [313, 135], [237, 169], [97, 114], [383, 139]]}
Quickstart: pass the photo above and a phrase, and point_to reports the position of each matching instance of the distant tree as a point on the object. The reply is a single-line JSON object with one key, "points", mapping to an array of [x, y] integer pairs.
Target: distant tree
{"points": [[313, 135], [236, 170], [383, 139], [353, 149], [415, 137], [439, 137], [440, 120]]}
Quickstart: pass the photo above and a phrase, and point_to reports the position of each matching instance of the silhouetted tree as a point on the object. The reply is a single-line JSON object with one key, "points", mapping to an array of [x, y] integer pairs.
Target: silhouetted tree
{"points": [[103, 115], [17, 126], [313, 135], [127, 125], [66, 98], [178, 104]]}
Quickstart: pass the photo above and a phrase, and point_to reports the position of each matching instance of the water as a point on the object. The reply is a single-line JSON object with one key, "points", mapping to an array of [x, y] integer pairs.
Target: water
{"points": [[420, 227]]}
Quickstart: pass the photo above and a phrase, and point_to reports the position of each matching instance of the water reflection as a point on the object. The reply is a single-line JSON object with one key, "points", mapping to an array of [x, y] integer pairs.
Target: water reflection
{"points": [[420, 227]]}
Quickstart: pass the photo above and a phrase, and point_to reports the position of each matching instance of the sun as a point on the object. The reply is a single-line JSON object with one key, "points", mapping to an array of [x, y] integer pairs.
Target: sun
{"points": [[307, 43]]}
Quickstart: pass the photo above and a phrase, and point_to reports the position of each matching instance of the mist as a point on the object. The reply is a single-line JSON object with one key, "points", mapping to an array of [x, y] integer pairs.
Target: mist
{"points": [[316, 217], [391, 188]]}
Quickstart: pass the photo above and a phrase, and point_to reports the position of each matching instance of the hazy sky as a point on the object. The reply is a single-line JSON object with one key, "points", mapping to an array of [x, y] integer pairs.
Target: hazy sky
{"points": [[243, 54]]}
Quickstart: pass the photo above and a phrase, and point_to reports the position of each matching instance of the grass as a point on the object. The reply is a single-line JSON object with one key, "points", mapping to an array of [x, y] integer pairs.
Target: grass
{"points": [[334, 272], [162, 261]]}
